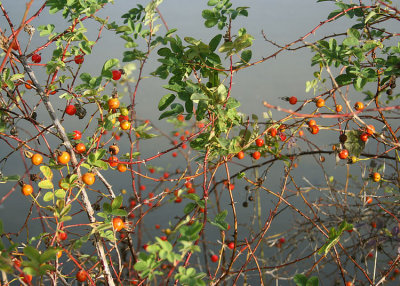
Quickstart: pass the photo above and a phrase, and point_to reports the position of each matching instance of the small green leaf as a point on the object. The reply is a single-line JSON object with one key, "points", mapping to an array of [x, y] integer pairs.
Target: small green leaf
{"points": [[189, 208], [199, 96], [226, 47], [246, 56], [210, 23], [312, 281], [165, 101], [45, 184], [65, 218], [119, 212], [140, 266], [107, 208], [369, 16], [65, 210], [108, 65], [212, 2], [32, 253], [49, 254], [350, 41], [46, 171], [60, 193], [208, 14], [215, 42], [300, 280], [117, 203], [48, 196], [344, 79]]}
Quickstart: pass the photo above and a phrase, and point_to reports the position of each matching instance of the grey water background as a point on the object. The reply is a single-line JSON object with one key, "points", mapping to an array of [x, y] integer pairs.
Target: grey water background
{"points": [[282, 21]]}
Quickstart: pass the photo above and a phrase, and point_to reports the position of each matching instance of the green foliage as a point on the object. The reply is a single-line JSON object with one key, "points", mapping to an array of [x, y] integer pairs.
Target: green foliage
{"points": [[37, 262], [189, 276], [334, 237], [160, 251], [302, 280]]}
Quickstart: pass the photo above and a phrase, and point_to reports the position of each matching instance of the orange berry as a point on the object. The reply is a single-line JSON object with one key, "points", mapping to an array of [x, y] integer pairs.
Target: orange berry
{"points": [[312, 122], [88, 178], [27, 190], [121, 167], [370, 129], [320, 103], [37, 159], [118, 223]]}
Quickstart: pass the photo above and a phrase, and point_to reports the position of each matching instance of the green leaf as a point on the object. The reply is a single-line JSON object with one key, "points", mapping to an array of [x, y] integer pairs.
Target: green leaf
{"points": [[46, 171], [1, 227], [210, 23], [208, 14], [48, 196], [49, 254], [119, 212], [313, 281], [246, 56], [173, 87], [212, 2], [300, 280], [165, 101], [350, 41], [369, 16], [226, 47], [108, 65], [85, 47], [30, 270], [140, 266], [344, 79], [65, 218], [32, 253], [176, 109], [117, 203], [45, 268], [243, 42], [353, 33], [189, 208], [65, 210], [199, 96], [45, 184], [101, 164], [215, 42], [107, 208], [60, 193]]}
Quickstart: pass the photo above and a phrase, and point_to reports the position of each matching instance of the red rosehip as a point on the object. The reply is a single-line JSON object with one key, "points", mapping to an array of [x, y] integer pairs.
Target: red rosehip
{"points": [[36, 58], [78, 59], [70, 109], [293, 100], [272, 131], [214, 258], [81, 275], [116, 74], [240, 155], [256, 155], [259, 142], [343, 154], [364, 137], [77, 135]]}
